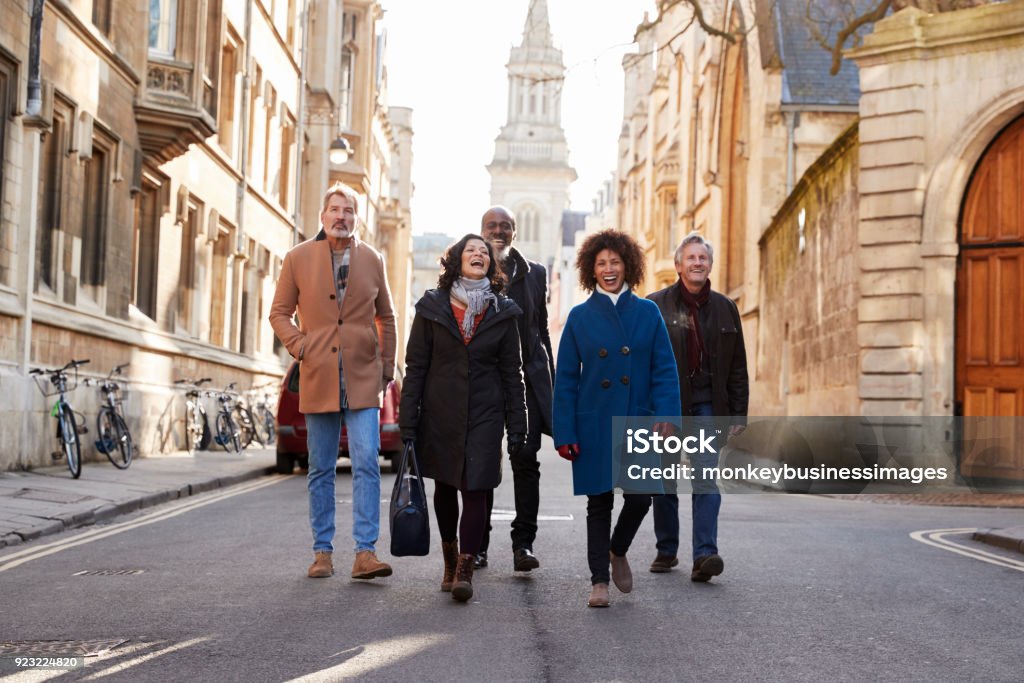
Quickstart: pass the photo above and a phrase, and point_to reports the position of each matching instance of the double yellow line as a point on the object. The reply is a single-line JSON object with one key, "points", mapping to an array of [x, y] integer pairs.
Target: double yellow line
{"points": [[36, 552]]}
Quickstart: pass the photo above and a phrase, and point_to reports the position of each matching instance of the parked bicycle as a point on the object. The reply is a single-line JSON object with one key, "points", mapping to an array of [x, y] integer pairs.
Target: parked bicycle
{"points": [[227, 432], [69, 428], [248, 427], [113, 438], [197, 425], [266, 429]]}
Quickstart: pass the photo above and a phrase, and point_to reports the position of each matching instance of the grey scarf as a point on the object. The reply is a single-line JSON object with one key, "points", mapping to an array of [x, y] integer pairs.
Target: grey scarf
{"points": [[474, 295]]}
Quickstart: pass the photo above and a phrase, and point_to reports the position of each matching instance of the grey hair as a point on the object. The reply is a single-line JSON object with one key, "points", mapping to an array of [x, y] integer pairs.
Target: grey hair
{"points": [[345, 191], [695, 238]]}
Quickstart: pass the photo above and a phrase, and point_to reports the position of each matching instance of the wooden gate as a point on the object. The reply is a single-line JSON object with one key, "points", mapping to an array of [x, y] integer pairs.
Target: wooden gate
{"points": [[990, 312]]}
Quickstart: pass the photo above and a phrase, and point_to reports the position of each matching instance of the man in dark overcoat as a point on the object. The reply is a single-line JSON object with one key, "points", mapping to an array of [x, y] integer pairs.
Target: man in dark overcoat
{"points": [[707, 339], [527, 286]]}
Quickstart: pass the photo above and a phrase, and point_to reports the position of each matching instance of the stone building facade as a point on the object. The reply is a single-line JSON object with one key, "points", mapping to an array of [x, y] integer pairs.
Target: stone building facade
{"points": [[179, 151], [878, 268]]}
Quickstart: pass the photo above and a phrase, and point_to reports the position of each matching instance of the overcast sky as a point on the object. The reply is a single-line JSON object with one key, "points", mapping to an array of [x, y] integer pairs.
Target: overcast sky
{"points": [[448, 61]]}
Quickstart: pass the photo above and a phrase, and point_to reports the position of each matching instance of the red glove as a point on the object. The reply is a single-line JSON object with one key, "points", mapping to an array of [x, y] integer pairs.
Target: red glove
{"points": [[569, 451], [664, 429]]}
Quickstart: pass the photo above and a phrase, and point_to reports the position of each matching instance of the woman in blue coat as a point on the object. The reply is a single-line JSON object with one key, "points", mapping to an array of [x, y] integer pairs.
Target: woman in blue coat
{"points": [[614, 359]]}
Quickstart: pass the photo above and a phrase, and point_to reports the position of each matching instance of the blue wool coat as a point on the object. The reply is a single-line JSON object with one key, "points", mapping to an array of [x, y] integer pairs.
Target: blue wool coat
{"points": [[613, 360]]}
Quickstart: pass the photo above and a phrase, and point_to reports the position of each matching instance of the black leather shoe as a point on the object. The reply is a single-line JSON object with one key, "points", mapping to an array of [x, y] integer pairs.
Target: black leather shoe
{"points": [[524, 560], [480, 561], [704, 568]]}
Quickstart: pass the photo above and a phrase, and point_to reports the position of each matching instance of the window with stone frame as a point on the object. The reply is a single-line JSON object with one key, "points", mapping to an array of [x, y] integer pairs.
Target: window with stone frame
{"points": [[219, 286], [163, 27], [230, 66], [348, 70], [211, 61], [8, 98], [97, 173], [287, 164], [101, 15], [270, 132], [146, 245], [50, 227], [191, 229]]}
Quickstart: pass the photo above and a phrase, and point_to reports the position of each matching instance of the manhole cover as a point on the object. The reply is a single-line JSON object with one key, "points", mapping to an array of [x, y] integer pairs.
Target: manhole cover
{"points": [[83, 648], [48, 496], [109, 572]]}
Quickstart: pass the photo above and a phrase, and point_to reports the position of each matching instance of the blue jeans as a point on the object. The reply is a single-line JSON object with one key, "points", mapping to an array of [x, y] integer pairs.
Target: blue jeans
{"points": [[704, 509], [323, 431]]}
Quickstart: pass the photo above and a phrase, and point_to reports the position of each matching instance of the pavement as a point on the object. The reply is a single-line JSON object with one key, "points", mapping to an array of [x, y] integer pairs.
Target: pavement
{"points": [[47, 500]]}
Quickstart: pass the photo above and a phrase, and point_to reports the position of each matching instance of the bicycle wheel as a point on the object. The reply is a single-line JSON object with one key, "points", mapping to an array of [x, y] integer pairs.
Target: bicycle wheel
{"points": [[115, 436], [265, 425], [194, 426], [247, 427], [69, 440], [227, 433]]}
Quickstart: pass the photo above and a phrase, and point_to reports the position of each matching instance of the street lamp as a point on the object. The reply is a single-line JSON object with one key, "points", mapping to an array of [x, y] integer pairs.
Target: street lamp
{"points": [[339, 151]]}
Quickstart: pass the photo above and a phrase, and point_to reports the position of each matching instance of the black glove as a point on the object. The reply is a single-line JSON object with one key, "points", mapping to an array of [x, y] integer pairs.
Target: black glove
{"points": [[516, 443]]}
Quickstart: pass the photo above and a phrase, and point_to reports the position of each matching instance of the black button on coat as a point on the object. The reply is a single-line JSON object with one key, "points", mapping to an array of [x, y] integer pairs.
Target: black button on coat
{"points": [[457, 398]]}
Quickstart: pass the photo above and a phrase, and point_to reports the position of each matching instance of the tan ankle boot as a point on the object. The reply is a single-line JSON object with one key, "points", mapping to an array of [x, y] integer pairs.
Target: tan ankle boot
{"points": [[450, 553], [598, 595], [622, 575], [322, 566], [367, 566], [462, 588]]}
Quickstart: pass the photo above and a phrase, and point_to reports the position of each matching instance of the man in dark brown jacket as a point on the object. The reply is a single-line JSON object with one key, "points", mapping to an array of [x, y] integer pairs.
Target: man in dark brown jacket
{"points": [[707, 339], [345, 345]]}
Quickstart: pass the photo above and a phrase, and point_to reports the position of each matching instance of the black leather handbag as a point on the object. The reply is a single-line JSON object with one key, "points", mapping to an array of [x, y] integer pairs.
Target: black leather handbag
{"points": [[410, 522]]}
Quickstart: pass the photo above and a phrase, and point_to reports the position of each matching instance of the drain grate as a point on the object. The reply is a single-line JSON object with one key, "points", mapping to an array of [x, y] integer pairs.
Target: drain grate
{"points": [[109, 572], [82, 648]]}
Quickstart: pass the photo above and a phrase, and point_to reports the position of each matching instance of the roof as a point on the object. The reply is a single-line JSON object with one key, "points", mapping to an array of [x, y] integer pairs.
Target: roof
{"points": [[805, 63]]}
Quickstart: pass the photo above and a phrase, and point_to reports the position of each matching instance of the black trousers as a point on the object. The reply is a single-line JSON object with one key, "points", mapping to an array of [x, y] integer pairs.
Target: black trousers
{"points": [[470, 527], [526, 481], [601, 539]]}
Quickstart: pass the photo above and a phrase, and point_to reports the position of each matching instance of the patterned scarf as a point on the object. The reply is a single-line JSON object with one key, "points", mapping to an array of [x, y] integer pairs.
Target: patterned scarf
{"points": [[474, 295], [694, 338]]}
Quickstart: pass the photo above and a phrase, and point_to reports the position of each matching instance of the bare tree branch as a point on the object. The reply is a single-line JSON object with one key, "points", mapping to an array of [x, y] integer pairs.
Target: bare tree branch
{"points": [[870, 17]]}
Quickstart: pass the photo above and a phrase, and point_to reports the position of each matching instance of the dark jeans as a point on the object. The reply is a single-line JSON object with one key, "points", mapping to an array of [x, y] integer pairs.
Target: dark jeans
{"points": [[526, 482], [470, 528], [704, 509], [599, 528]]}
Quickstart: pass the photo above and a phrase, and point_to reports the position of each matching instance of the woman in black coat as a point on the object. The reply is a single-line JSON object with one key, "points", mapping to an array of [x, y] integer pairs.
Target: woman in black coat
{"points": [[463, 385]]}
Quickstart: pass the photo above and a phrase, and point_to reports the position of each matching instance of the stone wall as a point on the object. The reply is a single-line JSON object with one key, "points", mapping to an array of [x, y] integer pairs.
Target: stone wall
{"points": [[804, 359]]}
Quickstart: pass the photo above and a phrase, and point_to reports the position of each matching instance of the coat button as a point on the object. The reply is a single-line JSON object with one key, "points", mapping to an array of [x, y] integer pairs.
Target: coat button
{"points": [[625, 380], [332, 296], [339, 321], [334, 349], [605, 383], [602, 353], [625, 350]]}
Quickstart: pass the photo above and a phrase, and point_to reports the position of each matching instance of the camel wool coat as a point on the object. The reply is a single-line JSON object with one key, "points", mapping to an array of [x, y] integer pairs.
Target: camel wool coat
{"points": [[359, 338]]}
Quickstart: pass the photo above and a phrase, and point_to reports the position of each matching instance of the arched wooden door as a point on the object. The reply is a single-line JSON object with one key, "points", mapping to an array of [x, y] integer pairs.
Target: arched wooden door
{"points": [[990, 310]]}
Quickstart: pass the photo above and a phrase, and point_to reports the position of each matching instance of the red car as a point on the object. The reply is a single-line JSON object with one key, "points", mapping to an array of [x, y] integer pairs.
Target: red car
{"points": [[291, 426]]}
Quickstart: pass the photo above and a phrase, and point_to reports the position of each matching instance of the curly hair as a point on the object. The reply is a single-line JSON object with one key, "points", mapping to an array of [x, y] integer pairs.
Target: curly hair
{"points": [[451, 265], [614, 240]]}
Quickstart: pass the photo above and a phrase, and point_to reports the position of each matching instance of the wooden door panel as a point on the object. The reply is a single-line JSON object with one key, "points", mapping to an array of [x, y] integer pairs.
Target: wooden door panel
{"points": [[990, 312]]}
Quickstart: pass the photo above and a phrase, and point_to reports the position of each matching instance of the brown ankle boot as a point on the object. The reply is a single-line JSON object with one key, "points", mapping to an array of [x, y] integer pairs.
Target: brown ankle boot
{"points": [[462, 589], [450, 553], [322, 566], [367, 566]]}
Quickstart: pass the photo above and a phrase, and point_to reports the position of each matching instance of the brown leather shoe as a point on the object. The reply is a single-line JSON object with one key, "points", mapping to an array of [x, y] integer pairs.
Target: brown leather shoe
{"points": [[322, 566], [706, 567], [598, 595], [450, 553], [462, 588], [622, 575], [367, 566], [664, 563]]}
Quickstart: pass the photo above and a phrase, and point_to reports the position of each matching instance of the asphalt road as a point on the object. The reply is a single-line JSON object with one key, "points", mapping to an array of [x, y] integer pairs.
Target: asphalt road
{"points": [[815, 588]]}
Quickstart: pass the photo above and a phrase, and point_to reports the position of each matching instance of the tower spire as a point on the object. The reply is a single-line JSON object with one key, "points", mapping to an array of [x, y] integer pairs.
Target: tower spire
{"points": [[537, 29]]}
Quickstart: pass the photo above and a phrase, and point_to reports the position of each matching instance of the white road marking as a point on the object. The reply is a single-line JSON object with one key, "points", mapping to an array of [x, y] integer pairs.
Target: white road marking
{"points": [[937, 538], [19, 558], [366, 659]]}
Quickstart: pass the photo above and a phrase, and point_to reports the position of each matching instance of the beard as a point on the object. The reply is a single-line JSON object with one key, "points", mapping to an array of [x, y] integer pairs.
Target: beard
{"points": [[339, 231]]}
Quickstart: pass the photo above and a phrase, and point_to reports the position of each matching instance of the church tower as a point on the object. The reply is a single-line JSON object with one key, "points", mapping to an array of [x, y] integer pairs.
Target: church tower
{"points": [[530, 172]]}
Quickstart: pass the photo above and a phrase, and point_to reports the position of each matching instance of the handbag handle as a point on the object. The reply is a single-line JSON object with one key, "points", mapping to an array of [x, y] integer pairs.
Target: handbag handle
{"points": [[409, 456]]}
